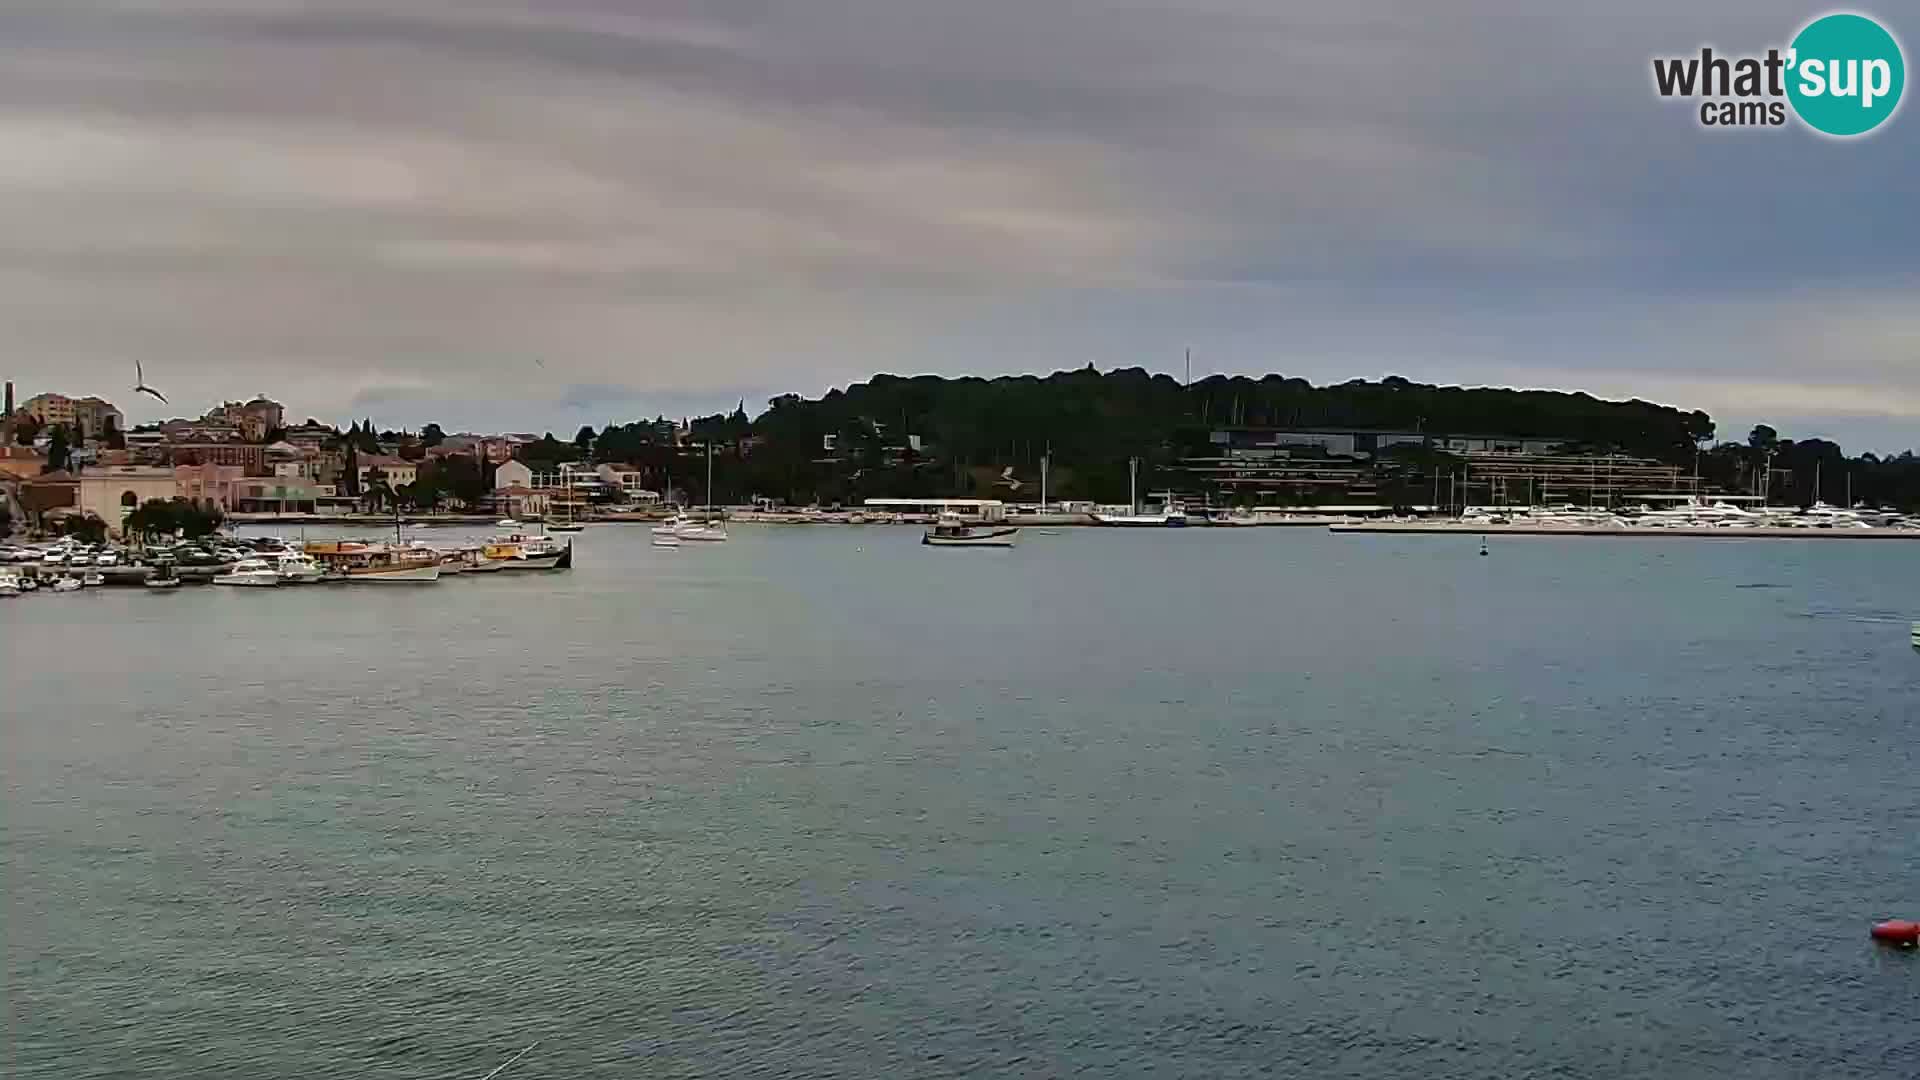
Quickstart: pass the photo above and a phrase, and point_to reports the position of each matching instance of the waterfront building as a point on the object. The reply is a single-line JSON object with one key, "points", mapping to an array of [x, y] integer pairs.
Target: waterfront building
{"points": [[518, 501], [249, 456], [209, 485], [512, 474], [398, 471], [1499, 478], [277, 495], [627, 483], [110, 493]]}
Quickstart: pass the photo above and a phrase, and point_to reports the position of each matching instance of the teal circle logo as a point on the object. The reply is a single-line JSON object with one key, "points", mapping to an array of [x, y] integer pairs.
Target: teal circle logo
{"points": [[1845, 74]]}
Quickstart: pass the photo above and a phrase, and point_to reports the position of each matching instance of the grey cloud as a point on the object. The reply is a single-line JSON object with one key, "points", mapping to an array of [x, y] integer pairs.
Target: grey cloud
{"points": [[680, 198]]}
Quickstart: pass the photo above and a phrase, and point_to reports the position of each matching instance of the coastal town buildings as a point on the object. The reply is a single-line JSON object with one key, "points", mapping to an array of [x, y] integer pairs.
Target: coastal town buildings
{"points": [[512, 474], [518, 501], [209, 485], [91, 417], [112, 492], [254, 419], [398, 471]]}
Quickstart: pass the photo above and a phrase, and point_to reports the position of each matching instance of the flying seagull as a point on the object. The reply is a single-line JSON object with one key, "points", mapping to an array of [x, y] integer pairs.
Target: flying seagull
{"points": [[140, 383]]}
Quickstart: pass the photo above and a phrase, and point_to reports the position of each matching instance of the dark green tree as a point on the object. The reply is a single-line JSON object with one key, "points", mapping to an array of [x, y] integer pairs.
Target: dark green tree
{"points": [[88, 528], [350, 470], [459, 477], [431, 435], [59, 453], [378, 493]]}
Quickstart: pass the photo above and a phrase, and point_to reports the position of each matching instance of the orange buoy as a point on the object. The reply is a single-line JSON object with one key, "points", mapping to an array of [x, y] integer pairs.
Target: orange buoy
{"points": [[1897, 932]]}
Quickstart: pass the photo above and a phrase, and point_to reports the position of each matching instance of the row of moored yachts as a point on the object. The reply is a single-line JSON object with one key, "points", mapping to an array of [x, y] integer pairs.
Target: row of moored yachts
{"points": [[272, 562], [365, 562], [1693, 514]]}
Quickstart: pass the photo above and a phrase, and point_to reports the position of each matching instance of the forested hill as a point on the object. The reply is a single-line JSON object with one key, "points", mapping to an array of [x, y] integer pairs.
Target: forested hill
{"points": [[1086, 415]]}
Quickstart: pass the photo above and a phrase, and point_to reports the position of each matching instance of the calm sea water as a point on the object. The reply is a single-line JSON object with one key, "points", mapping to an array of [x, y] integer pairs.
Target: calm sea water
{"points": [[823, 803]]}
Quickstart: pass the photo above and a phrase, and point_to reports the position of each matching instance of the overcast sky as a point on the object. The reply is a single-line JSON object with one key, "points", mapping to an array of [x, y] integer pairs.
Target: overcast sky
{"points": [[542, 213]]}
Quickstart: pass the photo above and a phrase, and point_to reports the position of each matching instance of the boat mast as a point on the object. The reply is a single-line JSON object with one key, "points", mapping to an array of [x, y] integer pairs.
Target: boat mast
{"points": [[1133, 485]]}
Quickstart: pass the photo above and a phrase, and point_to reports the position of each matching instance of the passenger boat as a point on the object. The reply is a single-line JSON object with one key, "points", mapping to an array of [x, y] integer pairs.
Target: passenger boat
{"points": [[950, 530], [515, 551], [250, 573], [1171, 518], [358, 561]]}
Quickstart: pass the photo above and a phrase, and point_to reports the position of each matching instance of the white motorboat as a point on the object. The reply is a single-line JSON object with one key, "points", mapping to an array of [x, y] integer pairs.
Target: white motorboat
{"points": [[93, 579], [951, 530], [66, 584], [250, 573], [298, 569], [9, 585], [162, 577], [665, 539]]}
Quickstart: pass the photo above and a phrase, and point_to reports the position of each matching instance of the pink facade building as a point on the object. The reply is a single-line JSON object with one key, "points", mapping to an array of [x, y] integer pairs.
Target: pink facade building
{"points": [[218, 485]]}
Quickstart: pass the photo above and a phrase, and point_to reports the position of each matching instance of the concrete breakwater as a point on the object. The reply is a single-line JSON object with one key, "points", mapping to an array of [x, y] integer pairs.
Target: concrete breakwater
{"points": [[1758, 532]]}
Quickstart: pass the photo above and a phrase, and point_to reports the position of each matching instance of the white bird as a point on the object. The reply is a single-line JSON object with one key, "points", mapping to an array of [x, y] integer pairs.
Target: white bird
{"points": [[1006, 477], [140, 383]]}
